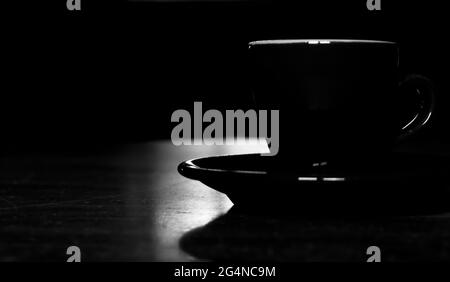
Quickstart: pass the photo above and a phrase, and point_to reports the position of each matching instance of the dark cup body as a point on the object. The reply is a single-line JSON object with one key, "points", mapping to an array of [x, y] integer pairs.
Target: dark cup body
{"points": [[337, 99]]}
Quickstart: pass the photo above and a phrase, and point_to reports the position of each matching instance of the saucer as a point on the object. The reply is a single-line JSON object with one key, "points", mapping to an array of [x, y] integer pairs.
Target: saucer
{"points": [[399, 183]]}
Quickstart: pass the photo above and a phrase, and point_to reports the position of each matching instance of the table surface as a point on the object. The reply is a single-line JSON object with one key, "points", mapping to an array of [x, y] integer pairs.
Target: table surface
{"points": [[129, 203]]}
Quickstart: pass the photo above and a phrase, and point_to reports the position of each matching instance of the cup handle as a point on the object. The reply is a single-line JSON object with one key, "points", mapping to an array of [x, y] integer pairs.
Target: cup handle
{"points": [[424, 91]]}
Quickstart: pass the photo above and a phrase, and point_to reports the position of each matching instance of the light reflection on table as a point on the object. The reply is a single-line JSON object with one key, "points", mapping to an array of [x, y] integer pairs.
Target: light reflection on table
{"points": [[176, 204]]}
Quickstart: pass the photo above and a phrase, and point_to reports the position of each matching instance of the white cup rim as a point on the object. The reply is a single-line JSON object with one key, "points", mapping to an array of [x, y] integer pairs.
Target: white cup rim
{"points": [[316, 41]]}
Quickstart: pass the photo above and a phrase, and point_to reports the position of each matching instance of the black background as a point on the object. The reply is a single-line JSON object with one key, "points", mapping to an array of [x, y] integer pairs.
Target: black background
{"points": [[115, 71]]}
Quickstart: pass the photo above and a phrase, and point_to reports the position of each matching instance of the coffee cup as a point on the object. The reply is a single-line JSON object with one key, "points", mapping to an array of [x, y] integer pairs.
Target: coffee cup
{"points": [[338, 99]]}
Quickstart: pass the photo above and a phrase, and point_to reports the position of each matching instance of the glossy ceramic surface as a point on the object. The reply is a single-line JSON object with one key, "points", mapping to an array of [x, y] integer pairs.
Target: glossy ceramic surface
{"points": [[398, 183]]}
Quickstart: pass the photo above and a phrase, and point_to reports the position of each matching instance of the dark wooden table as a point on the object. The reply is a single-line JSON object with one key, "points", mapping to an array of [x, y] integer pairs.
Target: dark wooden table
{"points": [[128, 203]]}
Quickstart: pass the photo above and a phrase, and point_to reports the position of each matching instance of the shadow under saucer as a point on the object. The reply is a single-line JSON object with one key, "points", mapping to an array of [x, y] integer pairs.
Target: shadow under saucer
{"points": [[254, 237]]}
